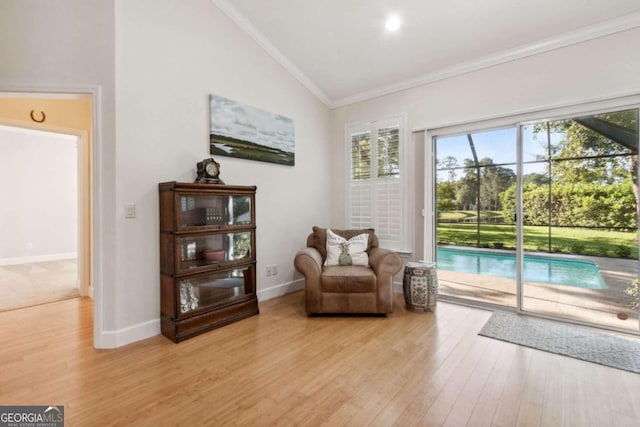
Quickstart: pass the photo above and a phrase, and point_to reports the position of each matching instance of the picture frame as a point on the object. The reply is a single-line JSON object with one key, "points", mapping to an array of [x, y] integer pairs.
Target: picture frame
{"points": [[246, 132]]}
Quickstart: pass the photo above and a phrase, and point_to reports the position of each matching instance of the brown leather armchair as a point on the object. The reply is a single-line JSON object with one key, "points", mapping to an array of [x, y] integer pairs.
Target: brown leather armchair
{"points": [[347, 289]]}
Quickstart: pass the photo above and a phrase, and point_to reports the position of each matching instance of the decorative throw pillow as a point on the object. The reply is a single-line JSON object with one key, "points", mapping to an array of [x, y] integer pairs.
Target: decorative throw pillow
{"points": [[341, 251], [320, 237]]}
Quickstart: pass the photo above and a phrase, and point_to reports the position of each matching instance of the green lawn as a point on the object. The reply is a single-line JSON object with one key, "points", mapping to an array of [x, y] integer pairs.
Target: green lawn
{"points": [[469, 215], [579, 241]]}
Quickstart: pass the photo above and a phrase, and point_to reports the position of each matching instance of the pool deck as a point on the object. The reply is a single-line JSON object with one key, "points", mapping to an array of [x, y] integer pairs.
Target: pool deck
{"points": [[600, 306]]}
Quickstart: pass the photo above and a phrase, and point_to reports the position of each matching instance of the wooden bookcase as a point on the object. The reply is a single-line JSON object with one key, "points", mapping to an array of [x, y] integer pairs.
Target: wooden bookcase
{"points": [[207, 257]]}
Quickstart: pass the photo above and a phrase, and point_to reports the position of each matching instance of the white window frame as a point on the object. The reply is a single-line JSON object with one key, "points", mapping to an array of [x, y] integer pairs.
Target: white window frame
{"points": [[402, 244]]}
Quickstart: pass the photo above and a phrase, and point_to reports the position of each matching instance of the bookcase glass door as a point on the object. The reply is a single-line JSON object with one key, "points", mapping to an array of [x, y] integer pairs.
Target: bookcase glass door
{"points": [[214, 249], [213, 210], [210, 289]]}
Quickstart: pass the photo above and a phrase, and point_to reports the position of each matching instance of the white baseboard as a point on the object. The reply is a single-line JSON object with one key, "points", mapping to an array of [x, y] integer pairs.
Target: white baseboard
{"points": [[280, 290], [122, 337], [128, 335], [89, 292], [397, 287], [37, 258]]}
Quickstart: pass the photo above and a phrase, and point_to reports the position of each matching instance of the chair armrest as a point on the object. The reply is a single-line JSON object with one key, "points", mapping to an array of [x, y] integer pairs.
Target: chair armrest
{"points": [[308, 261], [384, 261]]}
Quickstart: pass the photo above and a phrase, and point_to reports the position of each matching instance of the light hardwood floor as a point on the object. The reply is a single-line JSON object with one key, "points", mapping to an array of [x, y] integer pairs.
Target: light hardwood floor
{"points": [[283, 368]]}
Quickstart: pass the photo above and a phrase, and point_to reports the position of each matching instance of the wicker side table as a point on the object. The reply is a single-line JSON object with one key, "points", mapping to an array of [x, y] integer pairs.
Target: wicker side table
{"points": [[420, 286]]}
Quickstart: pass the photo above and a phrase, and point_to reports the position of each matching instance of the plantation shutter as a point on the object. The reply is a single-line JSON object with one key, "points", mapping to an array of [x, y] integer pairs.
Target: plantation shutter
{"points": [[375, 190], [388, 201], [360, 189], [388, 152]]}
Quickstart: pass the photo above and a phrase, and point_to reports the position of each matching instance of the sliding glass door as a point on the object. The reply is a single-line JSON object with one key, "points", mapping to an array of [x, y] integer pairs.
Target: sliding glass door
{"points": [[475, 183], [567, 191], [580, 218]]}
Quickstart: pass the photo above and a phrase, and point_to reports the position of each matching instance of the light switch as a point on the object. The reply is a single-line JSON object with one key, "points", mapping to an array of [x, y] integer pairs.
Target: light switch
{"points": [[130, 210]]}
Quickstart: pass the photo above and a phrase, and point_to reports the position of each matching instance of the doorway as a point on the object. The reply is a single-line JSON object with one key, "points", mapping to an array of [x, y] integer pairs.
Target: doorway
{"points": [[39, 248], [542, 217], [46, 245]]}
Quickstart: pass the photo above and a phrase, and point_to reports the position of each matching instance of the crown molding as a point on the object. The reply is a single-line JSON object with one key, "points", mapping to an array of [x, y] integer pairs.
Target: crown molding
{"points": [[259, 38], [602, 29]]}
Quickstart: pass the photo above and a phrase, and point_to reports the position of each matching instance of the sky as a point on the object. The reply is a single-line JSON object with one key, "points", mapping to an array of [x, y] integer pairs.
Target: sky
{"points": [[231, 119], [498, 144]]}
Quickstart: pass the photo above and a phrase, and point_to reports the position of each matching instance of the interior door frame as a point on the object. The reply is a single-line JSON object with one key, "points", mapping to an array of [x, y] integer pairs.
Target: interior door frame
{"points": [[96, 192]]}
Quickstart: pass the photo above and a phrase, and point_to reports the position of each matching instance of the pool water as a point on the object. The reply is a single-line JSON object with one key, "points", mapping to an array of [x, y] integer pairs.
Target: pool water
{"points": [[540, 269]]}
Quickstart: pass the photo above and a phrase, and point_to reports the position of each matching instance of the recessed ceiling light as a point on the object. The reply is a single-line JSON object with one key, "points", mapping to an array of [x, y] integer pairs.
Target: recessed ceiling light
{"points": [[393, 23]]}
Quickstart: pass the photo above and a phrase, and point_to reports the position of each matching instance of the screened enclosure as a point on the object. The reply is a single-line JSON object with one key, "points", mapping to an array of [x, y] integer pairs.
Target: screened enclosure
{"points": [[574, 181]]}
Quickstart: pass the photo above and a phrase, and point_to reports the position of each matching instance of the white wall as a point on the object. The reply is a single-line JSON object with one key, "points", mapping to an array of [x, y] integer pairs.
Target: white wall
{"points": [[601, 68], [39, 179], [169, 57], [66, 45]]}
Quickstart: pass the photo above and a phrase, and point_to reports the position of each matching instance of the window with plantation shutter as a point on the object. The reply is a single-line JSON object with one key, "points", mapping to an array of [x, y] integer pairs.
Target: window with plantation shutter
{"points": [[374, 188], [361, 156]]}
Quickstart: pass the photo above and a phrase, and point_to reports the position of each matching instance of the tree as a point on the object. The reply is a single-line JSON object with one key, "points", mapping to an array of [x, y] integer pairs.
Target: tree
{"points": [[467, 193], [600, 149], [449, 163], [583, 155], [495, 180], [581, 204], [535, 179], [446, 196]]}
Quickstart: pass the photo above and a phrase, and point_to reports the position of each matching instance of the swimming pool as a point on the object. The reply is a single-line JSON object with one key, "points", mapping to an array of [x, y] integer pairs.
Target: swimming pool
{"points": [[540, 269]]}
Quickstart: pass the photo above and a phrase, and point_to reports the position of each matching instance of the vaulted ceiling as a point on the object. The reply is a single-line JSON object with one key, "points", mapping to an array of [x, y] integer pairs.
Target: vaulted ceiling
{"points": [[342, 52]]}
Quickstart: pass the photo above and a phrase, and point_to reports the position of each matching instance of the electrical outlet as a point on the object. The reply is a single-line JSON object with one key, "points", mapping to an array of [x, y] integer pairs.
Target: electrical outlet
{"points": [[269, 271], [274, 270]]}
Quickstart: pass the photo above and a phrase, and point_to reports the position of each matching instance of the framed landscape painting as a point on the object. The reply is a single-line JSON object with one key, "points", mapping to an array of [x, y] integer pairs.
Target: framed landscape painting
{"points": [[246, 132]]}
